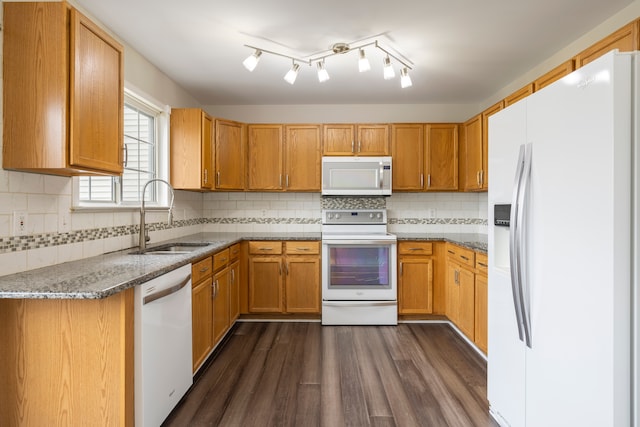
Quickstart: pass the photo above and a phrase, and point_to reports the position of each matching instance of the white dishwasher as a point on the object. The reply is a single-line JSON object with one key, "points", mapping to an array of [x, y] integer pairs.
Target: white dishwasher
{"points": [[163, 365]]}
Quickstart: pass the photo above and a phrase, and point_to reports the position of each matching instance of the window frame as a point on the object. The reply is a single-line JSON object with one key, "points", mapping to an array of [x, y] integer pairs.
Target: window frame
{"points": [[149, 106]]}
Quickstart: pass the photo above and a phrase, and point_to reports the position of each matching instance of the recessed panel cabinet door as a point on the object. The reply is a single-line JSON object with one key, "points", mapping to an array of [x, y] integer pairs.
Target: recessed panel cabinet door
{"points": [[230, 155], [96, 102], [442, 156], [265, 284], [407, 153], [264, 157], [302, 158]]}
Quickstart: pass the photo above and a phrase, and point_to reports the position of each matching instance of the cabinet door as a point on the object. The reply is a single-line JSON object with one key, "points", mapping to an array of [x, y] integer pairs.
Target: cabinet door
{"points": [[415, 285], [481, 311], [466, 309], [518, 95], [373, 140], [407, 153], [441, 162], [302, 286], [230, 155], [234, 292], [202, 321], [191, 146], [220, 304], [625, 39], [556, 74], [338, 140], [264, 160], [265, 284], [452, 292], [97, 97], [471, 172], [302, 158], [485, 141], [206, 147]]}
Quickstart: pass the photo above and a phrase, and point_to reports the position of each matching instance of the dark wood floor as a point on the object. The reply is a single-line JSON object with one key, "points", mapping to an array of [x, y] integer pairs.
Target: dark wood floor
{"points": [[305, 374]]}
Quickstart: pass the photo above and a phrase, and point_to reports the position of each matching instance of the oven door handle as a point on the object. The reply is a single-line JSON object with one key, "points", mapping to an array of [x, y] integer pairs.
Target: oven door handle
{"points": [[358, 303], [359, 242]]}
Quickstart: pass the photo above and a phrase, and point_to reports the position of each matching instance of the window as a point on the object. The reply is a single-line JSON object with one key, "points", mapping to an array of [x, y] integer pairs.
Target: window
{"points": [[145, 129]]}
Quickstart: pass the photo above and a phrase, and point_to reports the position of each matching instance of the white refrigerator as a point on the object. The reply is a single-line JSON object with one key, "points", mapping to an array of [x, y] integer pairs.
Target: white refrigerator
{"points": [[562, 276]]}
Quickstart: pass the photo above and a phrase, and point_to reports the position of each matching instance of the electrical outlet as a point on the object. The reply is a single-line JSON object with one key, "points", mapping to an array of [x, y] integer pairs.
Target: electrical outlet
{"points": [[20, 223], [264, 213], [432, 212]]}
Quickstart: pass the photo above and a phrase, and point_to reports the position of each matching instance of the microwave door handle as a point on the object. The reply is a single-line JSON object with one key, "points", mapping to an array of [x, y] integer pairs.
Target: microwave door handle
{"points": [[381, 175]]}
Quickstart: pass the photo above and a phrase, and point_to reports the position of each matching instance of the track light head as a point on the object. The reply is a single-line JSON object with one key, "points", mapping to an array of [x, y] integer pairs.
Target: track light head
{"points": [[388, 69], [405, 80], [363, 62], [252, 60], [292, 74], [323, 75]]}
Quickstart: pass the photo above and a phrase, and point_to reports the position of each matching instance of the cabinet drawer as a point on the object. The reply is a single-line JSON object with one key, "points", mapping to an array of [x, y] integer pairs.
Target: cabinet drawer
{"points": [[481, 263], [415, 248], [234, 251], [265, 248], [201, 270], [302, 248], [461, 255], [220, 259]]}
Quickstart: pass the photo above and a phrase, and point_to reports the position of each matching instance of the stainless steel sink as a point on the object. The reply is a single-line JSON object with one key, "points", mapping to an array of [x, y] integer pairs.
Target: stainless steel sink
{"points": [[173, 248]]}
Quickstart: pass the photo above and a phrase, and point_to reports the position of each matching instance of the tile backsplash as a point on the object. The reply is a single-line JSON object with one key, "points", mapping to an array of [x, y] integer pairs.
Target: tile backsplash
{"points": [[55, 234]]}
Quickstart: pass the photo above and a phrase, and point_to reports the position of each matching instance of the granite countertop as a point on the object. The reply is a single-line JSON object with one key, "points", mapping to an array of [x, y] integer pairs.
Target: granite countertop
{"points": [[105, 275]]}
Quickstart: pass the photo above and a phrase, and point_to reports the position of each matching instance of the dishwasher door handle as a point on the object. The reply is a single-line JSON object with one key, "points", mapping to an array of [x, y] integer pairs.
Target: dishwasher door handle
{"points": [[165, 292]]}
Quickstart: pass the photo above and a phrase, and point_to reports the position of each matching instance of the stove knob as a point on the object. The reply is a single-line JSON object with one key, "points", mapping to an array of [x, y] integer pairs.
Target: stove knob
{"points": [[379, 215], [337, 216], [370, 215]]}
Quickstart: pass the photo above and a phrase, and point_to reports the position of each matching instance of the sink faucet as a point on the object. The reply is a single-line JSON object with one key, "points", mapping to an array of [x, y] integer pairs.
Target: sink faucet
{"points": [[144, 238]]}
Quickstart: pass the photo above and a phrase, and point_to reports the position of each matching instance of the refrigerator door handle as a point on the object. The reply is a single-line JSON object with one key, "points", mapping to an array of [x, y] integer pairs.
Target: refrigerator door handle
{"points": [[522, 245], [513, 244]]}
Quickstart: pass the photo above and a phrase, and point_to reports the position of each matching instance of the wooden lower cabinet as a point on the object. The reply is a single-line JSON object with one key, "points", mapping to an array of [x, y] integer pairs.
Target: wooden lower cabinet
{"points": [[482, 302], [67, 361], [284, 277], [460, 288], [415, 278], [214, 300]]}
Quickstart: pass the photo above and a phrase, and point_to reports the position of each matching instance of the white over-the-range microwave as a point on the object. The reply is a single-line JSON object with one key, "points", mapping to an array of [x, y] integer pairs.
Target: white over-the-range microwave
{"points": [[356, 176]]}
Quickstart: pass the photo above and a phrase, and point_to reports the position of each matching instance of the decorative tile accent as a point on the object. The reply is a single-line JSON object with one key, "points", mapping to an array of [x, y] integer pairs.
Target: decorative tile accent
{"points": [[441, 221], [348, 202]]}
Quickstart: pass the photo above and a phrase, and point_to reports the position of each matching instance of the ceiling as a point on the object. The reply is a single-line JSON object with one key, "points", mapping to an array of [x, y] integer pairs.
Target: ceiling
{"points": [[463, 51]]}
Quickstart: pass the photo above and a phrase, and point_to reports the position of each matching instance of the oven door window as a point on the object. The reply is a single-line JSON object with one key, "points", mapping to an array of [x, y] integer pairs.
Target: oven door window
{"points": [[359, 267]]}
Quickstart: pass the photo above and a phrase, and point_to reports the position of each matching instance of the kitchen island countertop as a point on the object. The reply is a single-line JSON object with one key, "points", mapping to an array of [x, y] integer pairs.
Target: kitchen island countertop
{"points": [[105, 275]]}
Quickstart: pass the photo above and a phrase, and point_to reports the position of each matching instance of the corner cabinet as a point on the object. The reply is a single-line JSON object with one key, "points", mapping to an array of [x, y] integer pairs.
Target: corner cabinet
{"points": [[191, 148], [63, 92]]}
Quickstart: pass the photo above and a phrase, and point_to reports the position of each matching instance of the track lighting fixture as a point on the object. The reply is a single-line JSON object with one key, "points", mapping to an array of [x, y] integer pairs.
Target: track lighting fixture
{"points": [[252, 60], [337, 49], [405, 80], [291, 75]]}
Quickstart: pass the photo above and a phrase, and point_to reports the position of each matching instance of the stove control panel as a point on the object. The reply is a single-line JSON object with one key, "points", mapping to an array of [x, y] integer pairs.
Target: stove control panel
{"points": [[357, 216]]}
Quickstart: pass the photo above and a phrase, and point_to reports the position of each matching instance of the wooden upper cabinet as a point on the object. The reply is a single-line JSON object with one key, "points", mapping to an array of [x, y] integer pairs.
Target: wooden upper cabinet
{"points": [[338, 140], [302, 157], [518, 95], [372, 140], [355, 140], [556, 74], [63, 92], [471, 154], [191, 142], [407, 153], [485, 141], [264, 157], [625, 40], [441, 161], [230, 155]]}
